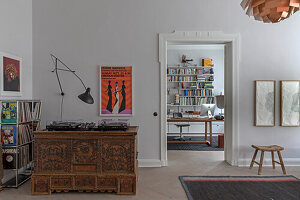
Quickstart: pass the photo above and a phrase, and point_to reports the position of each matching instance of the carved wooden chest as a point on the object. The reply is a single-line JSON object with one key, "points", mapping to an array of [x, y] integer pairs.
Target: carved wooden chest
{"points": [[89, 161]]}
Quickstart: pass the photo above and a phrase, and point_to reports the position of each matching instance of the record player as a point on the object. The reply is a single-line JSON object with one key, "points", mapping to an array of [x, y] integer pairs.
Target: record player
{"points": [[70, 126], [109, 125], [103, 125]]}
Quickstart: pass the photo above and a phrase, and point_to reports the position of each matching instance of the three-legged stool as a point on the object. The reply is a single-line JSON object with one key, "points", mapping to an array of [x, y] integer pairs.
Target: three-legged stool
{"points": [[271, 148]]}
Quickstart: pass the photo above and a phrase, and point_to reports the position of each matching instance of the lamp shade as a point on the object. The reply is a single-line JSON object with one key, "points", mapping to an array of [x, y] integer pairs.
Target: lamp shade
{"points": [[220, 101], [86, 96], [270, 10]]}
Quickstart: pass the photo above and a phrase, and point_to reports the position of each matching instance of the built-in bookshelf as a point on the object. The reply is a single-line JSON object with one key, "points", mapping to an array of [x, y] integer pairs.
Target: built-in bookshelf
{"points": [[19, 118], [190, 85]]}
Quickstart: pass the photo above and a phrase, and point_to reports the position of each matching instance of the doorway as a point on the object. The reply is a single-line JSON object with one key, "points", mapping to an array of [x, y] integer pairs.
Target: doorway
{"points": [[230, 43], [195, 97]]}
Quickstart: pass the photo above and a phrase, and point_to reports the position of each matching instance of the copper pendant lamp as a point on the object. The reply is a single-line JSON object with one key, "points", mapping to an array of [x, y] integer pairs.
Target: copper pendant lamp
{"points": [[270, 11]]}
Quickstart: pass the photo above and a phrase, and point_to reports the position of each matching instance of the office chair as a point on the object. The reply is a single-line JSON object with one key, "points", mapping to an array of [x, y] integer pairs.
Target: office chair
{"points": [[181, 137]]}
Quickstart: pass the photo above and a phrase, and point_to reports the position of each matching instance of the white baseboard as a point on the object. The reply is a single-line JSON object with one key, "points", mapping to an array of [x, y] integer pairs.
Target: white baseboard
{"points": [[268, 162], [149, 163]]}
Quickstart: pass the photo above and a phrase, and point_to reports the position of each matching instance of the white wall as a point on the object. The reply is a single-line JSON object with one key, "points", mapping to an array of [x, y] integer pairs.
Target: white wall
{"points": [[92, 32], [16, 37]]}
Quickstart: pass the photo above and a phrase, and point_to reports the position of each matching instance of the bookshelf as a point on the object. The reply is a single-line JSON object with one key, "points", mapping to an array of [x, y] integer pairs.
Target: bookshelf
{"points": [[19, 118], [189, 86]]}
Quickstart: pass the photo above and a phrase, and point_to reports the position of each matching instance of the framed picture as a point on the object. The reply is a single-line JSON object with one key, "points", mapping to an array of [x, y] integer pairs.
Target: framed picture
{"points": [[116, 90], [264, 103], [11, 73], [290, 103]]}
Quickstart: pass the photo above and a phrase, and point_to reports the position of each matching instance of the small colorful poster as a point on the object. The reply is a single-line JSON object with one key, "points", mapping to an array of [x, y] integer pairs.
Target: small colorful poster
{"points": [[116, 91], [8, 135], [9, 112], [11, 67]]}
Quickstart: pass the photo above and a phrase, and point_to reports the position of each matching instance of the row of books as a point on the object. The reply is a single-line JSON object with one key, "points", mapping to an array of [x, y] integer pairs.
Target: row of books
{"points": [[10, 157], [199, 78], [182, 78], [188, 71], [203, 92], [28, 111], [9, 135], [196, 101], [202, 78], [205, 85]]}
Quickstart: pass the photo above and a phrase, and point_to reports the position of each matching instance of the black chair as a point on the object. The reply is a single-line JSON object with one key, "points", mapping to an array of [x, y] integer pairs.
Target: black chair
{"points": [[181, 137]]}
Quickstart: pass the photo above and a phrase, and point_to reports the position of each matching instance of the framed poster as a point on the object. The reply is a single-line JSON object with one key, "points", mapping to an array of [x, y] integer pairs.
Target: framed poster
{"points": [[10, 70], [116, 91], [264, 103], [290, 103]]}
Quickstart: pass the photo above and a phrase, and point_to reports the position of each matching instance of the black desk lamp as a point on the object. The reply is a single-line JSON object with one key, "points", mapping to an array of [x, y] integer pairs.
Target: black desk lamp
{"points": [[86, 96]]}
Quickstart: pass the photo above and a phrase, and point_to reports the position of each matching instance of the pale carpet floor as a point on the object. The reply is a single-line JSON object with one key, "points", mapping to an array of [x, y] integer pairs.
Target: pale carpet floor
{"points": [[160, 183]]}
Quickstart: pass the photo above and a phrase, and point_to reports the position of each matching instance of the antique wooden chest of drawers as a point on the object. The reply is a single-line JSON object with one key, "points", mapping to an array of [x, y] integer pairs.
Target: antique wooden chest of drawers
{"points": [[91, 161]]}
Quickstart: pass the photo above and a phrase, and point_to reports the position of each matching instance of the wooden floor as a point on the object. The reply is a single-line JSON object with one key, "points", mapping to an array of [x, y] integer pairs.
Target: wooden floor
{"points": [[161, 183]]}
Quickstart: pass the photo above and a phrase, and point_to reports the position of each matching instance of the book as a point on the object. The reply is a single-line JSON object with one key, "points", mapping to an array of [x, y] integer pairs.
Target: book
{"points": [[207, 62], [9, 112], [8, 135]]}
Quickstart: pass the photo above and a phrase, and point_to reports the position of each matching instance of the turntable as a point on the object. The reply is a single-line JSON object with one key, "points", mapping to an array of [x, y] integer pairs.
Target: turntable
{"points": [[103, 125], [111, 125], [70, 126]]}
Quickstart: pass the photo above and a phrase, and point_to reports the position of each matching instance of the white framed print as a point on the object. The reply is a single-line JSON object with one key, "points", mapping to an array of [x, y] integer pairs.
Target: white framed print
{"points": [[290, 103], [11, 73], [116, 91], [264, 103]]}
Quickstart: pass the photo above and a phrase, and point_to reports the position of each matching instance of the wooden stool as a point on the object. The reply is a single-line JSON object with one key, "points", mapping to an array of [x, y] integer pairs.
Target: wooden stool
{"points": [[271, 148]]}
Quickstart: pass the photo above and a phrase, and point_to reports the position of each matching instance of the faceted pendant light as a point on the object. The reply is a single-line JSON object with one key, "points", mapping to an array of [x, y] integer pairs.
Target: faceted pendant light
{"points": [[270, 10]]}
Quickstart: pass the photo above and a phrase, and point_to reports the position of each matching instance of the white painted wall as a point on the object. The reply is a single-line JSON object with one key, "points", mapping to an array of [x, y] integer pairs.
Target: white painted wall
{"points": [[16, 38], [91, 32]]}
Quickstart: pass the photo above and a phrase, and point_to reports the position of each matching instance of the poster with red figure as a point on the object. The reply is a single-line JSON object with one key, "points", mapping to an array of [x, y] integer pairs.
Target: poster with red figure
{"points": [[116, 91], [11, 75]]}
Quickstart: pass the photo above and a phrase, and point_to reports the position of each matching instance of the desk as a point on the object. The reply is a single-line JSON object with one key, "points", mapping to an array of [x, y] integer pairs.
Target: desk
{"points": [[205, 120]]}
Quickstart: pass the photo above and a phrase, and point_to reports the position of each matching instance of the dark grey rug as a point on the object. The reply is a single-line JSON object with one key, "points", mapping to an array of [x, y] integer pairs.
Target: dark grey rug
{"points": [[241, 187], [195, 147]]}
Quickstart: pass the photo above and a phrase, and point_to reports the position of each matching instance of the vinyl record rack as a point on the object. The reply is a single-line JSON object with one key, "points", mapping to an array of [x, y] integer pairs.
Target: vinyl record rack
{"points": [[19, 118]]}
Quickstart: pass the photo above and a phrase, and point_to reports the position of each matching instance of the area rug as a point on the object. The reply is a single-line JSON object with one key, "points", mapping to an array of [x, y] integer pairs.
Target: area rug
{"points": [[241, 187], [195, 147]]}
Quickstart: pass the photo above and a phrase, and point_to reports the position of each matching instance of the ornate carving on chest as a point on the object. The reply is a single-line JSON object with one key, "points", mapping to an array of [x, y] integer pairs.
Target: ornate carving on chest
{"points": [[85, 151], [61, 182], [107, 182], [127, 185], [40, 184], [85, 182], [54, 155], [117, 155]]}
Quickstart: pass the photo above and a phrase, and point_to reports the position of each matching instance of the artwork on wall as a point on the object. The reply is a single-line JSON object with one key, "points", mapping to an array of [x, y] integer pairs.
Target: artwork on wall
{"points": [[116, 91], [290, 103], [264, 103], [11, 67]]}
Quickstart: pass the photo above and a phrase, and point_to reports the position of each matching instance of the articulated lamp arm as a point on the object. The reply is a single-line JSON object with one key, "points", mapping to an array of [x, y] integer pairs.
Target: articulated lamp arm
{"points": [[86, 96]]}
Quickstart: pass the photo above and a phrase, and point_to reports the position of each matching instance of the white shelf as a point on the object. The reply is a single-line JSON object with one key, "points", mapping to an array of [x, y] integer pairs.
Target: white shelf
{"points": [[190, 74], [189, 66], [195, 96], [190, 81], [182, 105], [193, 89]]}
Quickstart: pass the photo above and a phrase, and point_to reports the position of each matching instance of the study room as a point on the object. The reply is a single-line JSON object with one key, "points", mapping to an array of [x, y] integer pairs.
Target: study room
{"points": [[195, 97]]}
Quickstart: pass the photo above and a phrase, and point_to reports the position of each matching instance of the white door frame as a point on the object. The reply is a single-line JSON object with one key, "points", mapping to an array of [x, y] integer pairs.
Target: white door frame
{"points": [[231, 90]]}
